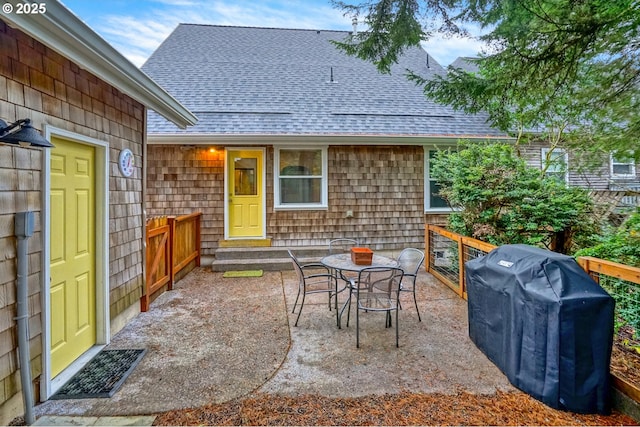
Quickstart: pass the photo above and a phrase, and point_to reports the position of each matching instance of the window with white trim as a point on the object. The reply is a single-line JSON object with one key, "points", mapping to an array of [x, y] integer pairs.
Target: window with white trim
{"points": [[432, 201], [622, 165], [300, 178], [557, 162]]}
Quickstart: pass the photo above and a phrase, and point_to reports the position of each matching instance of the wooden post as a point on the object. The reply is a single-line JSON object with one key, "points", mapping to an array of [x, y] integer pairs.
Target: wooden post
{"points": [[461, 281], [198, 239], [172, 240], [427, 249]]}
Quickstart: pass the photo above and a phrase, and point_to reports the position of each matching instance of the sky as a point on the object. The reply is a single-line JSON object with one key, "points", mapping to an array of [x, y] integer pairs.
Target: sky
{"points": [[137, 27]]}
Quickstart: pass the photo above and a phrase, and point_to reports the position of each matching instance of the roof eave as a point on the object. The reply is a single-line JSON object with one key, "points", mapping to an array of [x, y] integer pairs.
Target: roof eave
{"points": [[331, 139], [64, 32]]}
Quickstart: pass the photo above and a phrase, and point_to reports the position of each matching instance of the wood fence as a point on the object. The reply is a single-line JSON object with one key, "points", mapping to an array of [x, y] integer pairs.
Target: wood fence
{"points": [[173, 244], [446, 252], [623, 283]]}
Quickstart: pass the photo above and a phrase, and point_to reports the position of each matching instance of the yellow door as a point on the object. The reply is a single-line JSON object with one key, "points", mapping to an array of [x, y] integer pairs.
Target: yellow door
{"points": [[72, 298], [245, 193]]}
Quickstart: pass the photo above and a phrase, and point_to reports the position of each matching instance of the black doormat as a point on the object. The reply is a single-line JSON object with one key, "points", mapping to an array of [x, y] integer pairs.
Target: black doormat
{"points": [[102, 376]]}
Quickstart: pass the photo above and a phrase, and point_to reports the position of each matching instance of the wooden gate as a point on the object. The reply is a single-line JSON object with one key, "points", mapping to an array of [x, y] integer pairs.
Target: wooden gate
{"points": [[173, 244]]}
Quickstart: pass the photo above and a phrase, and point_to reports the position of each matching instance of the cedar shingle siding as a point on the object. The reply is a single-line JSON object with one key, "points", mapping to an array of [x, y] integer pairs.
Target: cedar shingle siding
{"points": [[38, 83], [182, 181], [384, 188], [382, 185]]}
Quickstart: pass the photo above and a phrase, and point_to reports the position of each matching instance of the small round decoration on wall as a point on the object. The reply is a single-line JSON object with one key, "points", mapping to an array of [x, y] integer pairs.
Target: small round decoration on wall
{"points": [[125, 162]]}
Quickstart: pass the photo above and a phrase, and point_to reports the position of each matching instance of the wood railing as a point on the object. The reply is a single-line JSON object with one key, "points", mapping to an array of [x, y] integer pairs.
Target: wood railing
{"points": [[172, 244], [446, 252], [443, 260], [597, 268]]}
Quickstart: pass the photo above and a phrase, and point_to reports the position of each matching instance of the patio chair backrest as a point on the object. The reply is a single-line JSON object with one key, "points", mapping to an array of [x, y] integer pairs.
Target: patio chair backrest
{"points": [[342, 246], [380, 280], [296, 265], [410, 260]]}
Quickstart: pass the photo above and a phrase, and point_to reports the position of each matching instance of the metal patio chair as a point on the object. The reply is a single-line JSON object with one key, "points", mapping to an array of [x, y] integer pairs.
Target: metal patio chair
{"points": [[377, 289], [410, 260], [313, 278]]}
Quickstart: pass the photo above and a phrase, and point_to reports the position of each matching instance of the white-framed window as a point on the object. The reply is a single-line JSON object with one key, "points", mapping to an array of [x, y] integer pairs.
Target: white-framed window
{"points": [[622, 165], [300, 178], [557, 163], [432, 201]]}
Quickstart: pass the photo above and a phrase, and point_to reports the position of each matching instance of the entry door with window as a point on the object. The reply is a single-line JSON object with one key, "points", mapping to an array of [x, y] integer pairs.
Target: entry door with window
{"points": [[245, 194], [73, 269]]}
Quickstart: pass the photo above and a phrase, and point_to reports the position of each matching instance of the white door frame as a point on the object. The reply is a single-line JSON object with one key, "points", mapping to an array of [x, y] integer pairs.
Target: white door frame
{"points": [[226, 191], [48, 385]]}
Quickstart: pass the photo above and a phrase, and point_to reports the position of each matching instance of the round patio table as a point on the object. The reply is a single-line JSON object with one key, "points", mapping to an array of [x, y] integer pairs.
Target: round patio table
{"points": [[342, 262]]}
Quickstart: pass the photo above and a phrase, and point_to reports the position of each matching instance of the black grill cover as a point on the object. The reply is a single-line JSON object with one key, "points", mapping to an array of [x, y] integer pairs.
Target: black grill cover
{"points": [[545, 323]]}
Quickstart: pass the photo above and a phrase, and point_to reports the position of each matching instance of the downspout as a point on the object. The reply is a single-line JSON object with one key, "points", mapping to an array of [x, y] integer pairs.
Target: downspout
{"points": [[144, 200], [24, 225]]}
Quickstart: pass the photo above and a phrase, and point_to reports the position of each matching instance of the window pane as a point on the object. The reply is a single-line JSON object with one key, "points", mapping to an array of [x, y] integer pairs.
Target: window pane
{"points": [[556, 161], [435, 201], [622, 169], [300, 162], [300, 190], [245, 176], [558, 176], [622, 158]]}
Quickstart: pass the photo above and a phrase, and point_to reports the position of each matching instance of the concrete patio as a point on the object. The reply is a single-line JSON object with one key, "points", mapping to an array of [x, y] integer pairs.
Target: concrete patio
{"points": [[212, 339]]}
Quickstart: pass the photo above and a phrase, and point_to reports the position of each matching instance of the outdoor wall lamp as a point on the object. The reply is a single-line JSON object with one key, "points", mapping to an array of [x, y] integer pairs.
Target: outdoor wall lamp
{"points": [[25, 136]]}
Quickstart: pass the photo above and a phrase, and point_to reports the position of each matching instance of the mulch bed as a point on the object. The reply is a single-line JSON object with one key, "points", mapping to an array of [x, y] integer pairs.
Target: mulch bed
{"points": [[502, 408]]}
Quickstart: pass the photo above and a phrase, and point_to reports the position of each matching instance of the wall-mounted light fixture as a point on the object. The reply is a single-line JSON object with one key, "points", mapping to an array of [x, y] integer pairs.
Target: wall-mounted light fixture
{"points": [[22, 133]]}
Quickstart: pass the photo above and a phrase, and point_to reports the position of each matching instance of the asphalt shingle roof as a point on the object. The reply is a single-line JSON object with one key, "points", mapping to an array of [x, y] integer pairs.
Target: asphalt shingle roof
{"points": [[266, 81], [466, 63]]}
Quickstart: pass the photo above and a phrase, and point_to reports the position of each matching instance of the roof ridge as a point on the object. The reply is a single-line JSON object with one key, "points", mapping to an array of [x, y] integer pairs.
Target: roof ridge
{"points": [[263, 28]]}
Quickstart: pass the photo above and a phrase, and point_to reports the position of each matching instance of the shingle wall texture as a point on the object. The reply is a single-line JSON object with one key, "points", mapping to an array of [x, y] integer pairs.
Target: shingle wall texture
{"points": [[38, 83], [382, 185], [186, 180]]}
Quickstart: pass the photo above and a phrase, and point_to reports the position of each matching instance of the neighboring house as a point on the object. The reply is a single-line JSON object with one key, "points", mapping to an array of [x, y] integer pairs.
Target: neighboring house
{"points": [[615, 173], [466, 63], [91, 103], [297, 143]]}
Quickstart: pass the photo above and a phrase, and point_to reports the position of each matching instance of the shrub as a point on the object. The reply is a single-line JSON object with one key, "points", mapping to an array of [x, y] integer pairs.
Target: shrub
{"points": [[500, 199], [621, 246]]}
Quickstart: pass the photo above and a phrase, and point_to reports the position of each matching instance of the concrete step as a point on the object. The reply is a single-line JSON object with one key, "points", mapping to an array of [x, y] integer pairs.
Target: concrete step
{"points": [[270, 252], [267, 264], [273, 258], [264, 258]]}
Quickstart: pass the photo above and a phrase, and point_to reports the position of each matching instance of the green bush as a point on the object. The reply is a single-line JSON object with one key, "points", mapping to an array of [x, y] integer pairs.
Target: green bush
{"points": [[621, 246], [498, 198]]}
